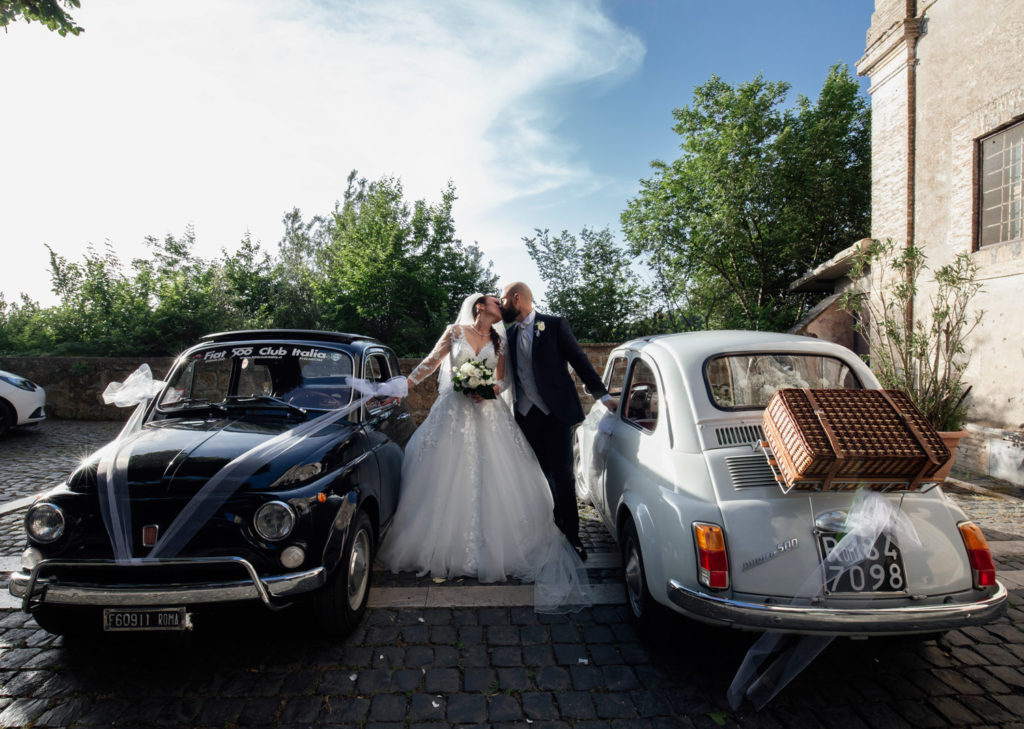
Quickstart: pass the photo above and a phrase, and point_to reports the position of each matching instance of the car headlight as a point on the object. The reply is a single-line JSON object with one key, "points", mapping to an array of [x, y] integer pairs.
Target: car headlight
{"points": [[44, 522], [274, 520], [19, 382]]}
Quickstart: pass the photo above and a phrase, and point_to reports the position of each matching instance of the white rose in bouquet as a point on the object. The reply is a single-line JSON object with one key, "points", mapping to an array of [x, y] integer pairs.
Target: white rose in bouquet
{"points": [[474, 378]]}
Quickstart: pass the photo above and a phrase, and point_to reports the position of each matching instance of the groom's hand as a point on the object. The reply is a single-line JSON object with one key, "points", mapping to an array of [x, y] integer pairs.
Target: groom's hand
{"points": [[610, 402]]}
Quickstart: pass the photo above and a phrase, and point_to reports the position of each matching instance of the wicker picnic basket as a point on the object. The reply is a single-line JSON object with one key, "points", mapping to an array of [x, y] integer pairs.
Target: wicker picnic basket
{"points": [[840, 439]]}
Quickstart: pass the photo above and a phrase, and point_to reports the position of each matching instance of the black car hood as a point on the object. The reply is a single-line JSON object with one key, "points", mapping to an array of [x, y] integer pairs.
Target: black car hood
{"points": [[176, 458]]}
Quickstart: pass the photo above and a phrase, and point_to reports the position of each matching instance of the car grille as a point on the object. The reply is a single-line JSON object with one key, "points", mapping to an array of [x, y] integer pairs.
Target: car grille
{"points": [[749, 471], [739, 435]]}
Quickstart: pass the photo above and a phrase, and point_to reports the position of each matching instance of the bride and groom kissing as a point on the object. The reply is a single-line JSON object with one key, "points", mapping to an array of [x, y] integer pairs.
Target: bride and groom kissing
{"points": [[481, 478]]}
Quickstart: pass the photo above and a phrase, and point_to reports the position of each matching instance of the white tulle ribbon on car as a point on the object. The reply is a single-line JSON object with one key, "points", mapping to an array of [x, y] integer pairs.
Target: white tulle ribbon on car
{"points": [[113, 468], [139, 387], [775, 659]]}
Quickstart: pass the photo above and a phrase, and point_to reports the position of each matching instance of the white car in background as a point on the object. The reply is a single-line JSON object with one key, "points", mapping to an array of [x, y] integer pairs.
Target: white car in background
{"points": [[22, 402]]}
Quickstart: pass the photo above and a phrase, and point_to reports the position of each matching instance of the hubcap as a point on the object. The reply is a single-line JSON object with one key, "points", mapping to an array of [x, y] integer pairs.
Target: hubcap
{"points": [[582, 486], [634, 579], [359, 569]]}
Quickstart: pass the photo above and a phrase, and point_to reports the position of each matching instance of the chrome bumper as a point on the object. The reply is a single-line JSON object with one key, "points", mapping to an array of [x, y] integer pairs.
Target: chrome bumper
{"points": [[35, 589], [840, 621]]}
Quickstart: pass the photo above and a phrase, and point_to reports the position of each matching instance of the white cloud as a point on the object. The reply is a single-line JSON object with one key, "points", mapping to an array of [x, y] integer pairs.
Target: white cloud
{"points": [[225, 113]]}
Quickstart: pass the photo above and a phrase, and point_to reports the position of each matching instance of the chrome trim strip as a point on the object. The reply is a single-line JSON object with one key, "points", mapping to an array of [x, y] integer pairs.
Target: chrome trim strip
{"points": [[31, 588], [855, 621]]}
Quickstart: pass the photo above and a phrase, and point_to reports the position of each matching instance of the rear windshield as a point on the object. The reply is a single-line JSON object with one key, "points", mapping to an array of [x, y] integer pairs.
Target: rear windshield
{"points": [[748, 381], [302, 375]]}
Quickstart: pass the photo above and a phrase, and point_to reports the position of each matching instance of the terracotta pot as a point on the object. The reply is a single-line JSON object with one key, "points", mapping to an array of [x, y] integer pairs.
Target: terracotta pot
{"points": [[951, 438]]}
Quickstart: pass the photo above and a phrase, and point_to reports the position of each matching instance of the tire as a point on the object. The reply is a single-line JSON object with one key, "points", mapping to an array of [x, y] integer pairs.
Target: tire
{"points": [[582, 484], [8, 419], [646, 613], [340, 605]]}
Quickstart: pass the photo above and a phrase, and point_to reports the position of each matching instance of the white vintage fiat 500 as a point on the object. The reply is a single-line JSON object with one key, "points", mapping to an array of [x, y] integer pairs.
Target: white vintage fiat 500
{"points": [[680, 478]]}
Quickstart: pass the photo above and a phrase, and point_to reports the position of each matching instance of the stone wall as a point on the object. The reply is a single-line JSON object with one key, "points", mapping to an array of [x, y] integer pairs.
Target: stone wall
{"points": [[994, 452], [74, 385]]}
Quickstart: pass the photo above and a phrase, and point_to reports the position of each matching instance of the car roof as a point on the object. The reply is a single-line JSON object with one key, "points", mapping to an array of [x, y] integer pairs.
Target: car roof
{"points": [[314, 335], [690, 346]]}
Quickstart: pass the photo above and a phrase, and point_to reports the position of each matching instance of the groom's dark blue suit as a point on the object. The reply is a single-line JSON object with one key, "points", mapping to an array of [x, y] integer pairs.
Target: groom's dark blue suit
{"points": [[550, 435]]}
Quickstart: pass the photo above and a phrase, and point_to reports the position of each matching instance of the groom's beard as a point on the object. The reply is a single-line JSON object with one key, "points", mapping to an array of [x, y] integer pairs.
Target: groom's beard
{"points": [[509, 314]]}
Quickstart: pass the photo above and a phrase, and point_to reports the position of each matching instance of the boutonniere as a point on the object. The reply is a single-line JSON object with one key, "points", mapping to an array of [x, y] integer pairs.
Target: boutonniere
{"points": [[538, 327]]}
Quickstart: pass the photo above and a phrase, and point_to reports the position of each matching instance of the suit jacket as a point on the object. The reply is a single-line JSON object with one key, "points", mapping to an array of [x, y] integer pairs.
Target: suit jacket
{"points": [[553, 348]]}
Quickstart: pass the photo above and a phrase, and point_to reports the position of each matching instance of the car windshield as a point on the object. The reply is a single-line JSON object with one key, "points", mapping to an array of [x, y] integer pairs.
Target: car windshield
{"points": [[749, 380], [271, 375]]}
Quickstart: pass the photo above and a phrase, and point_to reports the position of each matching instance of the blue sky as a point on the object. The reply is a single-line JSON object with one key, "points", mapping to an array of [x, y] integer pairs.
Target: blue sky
{"points": [[223, 114]]}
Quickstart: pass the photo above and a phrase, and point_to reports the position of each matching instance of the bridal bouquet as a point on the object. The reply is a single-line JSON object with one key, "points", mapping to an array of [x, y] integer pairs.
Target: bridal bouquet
{"points": [[475, 378]]}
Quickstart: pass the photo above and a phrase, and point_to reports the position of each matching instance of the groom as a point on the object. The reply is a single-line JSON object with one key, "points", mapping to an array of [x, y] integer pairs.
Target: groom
{"points": [[547, 406]]}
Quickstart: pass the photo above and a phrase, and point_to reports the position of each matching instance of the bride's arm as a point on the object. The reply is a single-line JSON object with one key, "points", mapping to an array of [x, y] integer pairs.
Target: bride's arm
{"points": [[499, 371], [433, 360]]}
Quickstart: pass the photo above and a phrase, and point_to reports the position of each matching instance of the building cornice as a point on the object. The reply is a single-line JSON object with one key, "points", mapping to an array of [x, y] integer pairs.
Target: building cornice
{"points": [[896, 40]]}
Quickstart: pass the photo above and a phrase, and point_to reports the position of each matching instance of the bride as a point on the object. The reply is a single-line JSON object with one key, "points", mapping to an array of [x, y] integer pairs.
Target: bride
{"points": [[474, 500]]}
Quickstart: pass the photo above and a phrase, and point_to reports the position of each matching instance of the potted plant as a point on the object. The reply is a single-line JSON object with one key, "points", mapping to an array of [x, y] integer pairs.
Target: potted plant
{"points": [[916, 346]]}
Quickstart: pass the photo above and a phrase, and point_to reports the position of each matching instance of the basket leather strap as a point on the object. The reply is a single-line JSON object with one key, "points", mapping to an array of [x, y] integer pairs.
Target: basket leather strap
{"points": [[833, 440], [914, 430]]}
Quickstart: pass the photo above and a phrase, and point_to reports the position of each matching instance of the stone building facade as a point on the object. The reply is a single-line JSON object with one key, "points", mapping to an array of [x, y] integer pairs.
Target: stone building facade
{"points": [[947, 87]]}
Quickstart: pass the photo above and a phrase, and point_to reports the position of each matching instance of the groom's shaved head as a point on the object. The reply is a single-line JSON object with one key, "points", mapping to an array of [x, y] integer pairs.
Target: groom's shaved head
{"points": [[516, 302], [519, 288]]}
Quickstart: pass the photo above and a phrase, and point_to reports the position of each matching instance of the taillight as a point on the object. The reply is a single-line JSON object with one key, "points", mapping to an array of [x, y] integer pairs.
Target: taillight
{"points": [[712, 561], [983, 569]]}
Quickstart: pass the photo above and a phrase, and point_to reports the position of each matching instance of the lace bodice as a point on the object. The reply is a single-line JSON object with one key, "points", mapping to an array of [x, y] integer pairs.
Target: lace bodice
{"points": [[454, 346]]}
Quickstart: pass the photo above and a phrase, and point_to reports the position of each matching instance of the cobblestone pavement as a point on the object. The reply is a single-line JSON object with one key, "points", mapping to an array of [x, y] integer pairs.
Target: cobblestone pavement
{"points": [[36, 458], [500, 666]]}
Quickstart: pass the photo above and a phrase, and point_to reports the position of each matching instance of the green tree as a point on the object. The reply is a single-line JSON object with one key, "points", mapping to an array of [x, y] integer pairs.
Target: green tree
{"points": [[395, 272], [759, 195], [25, 328], [296, 274], [48, 12], [590, 282], [249, 275], [102, 310], [376, 265], [190, 295]]}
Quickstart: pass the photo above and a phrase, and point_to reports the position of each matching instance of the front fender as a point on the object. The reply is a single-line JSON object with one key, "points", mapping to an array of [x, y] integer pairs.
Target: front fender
{"points": [[345, 507]]}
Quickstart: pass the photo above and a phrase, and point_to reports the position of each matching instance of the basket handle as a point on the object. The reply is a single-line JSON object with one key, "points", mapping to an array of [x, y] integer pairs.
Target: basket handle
{"points": [[825, 423], [914, 430], [829, 433]]}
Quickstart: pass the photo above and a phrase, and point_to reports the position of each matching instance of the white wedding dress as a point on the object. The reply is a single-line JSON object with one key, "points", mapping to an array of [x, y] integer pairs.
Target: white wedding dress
{"points": [[474, 501]]}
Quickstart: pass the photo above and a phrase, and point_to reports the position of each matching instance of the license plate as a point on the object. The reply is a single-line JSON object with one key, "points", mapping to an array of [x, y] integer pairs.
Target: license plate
{"points": [[146, 619], [881, 571]]}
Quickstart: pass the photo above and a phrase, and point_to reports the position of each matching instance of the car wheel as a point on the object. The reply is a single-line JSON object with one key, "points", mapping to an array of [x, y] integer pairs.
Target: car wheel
{"points": [[340, 605], [68, 622], [645, 612], [582, 484], [8, 419]]}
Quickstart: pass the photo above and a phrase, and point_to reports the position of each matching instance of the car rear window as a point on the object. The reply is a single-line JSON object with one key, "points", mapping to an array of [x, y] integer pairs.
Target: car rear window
{"points": [[748, 380]]}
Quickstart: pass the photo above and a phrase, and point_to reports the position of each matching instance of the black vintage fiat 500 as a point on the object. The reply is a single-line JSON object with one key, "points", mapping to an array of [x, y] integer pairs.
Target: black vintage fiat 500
{"points": [[255, 473]]}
